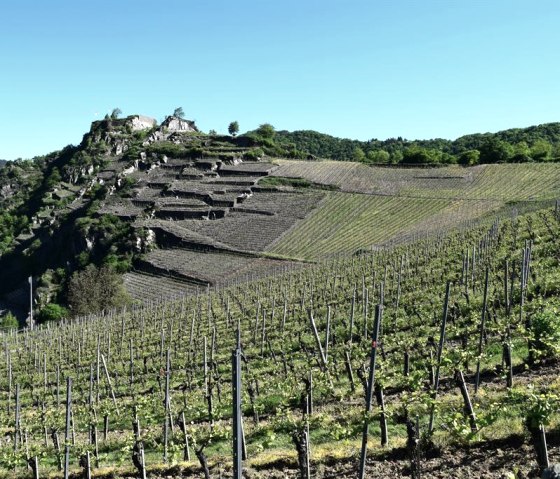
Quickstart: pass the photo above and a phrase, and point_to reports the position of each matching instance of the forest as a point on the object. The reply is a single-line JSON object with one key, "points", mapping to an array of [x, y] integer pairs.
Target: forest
{"points": [[517, 145]]}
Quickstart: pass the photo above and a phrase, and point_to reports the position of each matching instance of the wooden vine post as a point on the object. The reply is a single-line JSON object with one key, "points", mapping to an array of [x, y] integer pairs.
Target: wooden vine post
{"points": [[481, 332], [17, 421], [370, 387], [67, 432], [236, 393], [438, 360], [167, 415]]}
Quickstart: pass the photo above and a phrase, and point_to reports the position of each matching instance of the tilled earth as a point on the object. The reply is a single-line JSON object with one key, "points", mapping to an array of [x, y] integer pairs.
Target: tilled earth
{"points": [[513, 458]]}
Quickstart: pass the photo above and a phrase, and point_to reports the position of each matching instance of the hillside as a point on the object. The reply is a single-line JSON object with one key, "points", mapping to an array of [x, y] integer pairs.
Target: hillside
{"points": [[175, 210], [213, 234], [132, 185], [455, 335], [516, 145]]}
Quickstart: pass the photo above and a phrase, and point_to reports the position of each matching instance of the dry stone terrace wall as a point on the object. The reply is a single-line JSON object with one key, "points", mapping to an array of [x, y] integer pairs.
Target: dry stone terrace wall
{"points": [[273, 215], [208, 221], [170, 234]]}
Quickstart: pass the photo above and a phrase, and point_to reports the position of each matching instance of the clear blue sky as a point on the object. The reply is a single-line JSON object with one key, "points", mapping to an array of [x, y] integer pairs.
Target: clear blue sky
{"points": [[360, 69]]}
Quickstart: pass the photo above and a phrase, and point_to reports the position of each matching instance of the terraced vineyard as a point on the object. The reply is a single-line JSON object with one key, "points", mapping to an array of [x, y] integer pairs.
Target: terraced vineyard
{"points": [[509, 182], [211, 268], [374, 206], [396, 204], [454, 337], [348, 222]]}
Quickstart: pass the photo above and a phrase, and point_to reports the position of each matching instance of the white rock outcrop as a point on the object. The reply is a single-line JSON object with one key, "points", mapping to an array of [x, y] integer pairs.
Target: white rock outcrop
{"points": [[172, 123], [141, 122]]}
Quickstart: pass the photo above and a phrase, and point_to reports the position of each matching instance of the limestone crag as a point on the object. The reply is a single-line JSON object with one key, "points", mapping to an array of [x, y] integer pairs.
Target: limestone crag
{"points": [[173, 123], [141, 122]]}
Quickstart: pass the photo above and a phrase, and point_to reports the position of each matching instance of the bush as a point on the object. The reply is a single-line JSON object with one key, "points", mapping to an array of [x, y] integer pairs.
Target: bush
{"points": [[9, 321], [167, 148], [96, 289], [253, 155], [52, 312]]}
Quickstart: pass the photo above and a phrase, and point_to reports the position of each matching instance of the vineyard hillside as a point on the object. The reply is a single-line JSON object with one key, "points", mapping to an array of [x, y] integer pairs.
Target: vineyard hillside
{"points": [[434, 357], [289, 318], [175, 210]]}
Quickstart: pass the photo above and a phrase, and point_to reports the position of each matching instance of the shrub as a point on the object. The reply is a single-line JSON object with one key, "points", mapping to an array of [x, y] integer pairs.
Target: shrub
{"points": [[96, 289], [167, 148], [9, 321], [253, 155], [52, 312]]}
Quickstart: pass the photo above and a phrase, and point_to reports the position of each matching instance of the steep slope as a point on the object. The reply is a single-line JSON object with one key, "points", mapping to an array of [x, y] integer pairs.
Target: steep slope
{"points": [[156, 201], [196, 210]]}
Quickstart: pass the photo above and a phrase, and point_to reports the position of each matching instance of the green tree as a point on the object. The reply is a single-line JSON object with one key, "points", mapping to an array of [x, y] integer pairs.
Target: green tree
{"points": [[494, 150], [9, 321], [359, 155], [397, 156], [116, 113], [54, 179], [267, 131], [468, 158], [378, 156], [521, 152], [233, 128], [96, 289], [418, 155], [178, 112], [541, 150]]}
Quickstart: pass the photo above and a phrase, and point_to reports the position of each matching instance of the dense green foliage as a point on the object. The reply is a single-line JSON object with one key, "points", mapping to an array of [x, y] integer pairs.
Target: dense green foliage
{"points": [[96, 289], [52, 312], [233, 128], [545, 329], [8, 321], [535, 143], [10, 226]]}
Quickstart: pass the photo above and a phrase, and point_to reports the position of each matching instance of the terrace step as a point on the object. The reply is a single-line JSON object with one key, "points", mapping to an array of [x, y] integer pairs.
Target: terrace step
{"points": [[145, 287], [257, 169], [179, 213], [213, 268], [171, 235]]}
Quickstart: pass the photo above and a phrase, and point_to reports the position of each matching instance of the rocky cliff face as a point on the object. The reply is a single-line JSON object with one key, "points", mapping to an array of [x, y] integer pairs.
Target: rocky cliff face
{"points": [[172, 123], [132, 185], [141, 122]]}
